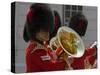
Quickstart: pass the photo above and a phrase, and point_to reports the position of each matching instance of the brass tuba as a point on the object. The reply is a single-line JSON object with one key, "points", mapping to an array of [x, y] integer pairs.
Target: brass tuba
{"points": [[67, 41]]}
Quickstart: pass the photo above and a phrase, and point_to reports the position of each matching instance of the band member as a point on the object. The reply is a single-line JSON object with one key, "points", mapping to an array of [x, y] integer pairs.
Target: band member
{"points": [[39, 25]]}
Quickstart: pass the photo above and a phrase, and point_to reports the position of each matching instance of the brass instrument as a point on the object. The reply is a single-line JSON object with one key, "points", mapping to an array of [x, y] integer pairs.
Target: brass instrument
{"points": [[67, 42]]}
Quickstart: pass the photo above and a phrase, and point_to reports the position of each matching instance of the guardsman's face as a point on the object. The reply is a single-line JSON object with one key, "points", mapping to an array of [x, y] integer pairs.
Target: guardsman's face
{"points": [[42, 35]]}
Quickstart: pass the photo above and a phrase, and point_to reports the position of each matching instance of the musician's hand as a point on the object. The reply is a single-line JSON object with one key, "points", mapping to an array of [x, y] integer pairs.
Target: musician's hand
{"points": [[87, 64]]}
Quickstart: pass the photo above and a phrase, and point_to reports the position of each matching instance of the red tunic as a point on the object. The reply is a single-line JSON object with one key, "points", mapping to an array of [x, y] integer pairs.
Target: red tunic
{"points": [[37, 60], [78, 63]]}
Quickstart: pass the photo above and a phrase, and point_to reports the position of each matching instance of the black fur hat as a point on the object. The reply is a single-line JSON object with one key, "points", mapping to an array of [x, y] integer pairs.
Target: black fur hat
{"points": [[79, 23], [57, 23], [39, 17]]}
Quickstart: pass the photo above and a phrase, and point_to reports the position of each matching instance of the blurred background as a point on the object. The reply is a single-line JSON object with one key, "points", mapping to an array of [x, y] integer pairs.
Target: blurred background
{"points": [[65, 12]]}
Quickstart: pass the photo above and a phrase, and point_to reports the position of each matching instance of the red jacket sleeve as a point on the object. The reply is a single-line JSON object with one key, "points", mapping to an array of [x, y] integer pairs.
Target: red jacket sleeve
{"points": [[78, 63], [36, 64]]}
